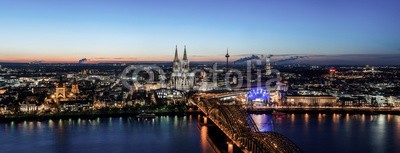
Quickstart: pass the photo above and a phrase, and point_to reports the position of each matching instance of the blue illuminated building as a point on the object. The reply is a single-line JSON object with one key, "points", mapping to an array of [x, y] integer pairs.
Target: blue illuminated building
{"points": [[258, 96]]}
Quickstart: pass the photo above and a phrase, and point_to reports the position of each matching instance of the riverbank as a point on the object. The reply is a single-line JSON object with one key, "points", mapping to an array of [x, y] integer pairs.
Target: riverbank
{"points": [[81, 115], [317, 110], [266, 110]]}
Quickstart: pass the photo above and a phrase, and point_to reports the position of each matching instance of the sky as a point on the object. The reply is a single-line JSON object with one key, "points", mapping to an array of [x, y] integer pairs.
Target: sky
{"points": [[148, 30]]}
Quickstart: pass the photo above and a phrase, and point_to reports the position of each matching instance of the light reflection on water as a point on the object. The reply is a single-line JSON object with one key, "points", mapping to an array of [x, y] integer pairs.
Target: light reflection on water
{"points": [[203, 136], [337, 132], [162, 134], [263, 122], [312, 132]]}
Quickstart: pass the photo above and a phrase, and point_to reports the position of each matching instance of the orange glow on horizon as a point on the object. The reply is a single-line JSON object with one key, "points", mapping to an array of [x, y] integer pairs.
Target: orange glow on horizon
{"points": [[104, 60]]}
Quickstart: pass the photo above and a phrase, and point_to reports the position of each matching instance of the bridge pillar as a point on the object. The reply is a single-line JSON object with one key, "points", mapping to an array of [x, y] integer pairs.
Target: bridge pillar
{"points": [[230, 147], [205, 119]]}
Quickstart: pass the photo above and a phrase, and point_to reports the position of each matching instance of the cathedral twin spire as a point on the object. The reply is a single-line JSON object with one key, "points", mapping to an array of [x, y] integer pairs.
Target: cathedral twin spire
{"points": [[176, 58], [184, 54], [179, 65]]}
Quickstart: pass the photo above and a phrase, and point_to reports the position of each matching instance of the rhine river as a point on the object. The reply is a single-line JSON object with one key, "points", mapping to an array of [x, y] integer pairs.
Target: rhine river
{"points": [[330, 133]]}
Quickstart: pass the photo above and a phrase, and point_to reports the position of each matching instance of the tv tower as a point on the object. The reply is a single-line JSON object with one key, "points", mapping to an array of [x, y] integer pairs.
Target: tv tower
{"points": [[227, 60]]}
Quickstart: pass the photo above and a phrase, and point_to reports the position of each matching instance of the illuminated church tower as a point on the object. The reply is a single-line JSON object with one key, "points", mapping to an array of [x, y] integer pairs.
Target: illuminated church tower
{"points": [[176, 62], [75, 87], [185, 61], [268, 67], [60, 90]]}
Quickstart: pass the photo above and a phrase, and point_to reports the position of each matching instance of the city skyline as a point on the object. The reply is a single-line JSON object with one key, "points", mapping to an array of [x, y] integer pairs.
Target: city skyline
{"points": [[200, 76], [67, 31]]}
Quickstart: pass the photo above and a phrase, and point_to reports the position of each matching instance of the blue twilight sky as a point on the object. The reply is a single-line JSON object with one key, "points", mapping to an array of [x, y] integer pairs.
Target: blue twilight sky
{"points": [[129, 30]]}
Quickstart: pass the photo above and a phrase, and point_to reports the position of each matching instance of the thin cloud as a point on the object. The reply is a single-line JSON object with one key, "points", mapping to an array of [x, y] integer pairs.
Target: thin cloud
{"points": [[200, 56], [115, 58]]}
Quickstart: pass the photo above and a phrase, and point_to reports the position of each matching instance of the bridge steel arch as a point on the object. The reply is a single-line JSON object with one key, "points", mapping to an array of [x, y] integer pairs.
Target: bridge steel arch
{"points": [[241, 129]]}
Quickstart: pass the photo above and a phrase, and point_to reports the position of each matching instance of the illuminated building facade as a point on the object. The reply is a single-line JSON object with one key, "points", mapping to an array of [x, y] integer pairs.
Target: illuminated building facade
{"points": [[311, 100]]}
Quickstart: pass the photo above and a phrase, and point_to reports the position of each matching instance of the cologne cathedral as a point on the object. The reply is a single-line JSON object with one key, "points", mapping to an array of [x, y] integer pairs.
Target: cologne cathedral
{"points": [[181, 78]]}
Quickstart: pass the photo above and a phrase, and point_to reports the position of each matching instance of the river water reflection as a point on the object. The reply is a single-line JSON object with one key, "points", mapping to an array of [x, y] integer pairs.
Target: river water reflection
{"points": [[325, 133], [105, 135], [333, 133]]}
